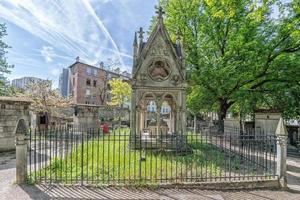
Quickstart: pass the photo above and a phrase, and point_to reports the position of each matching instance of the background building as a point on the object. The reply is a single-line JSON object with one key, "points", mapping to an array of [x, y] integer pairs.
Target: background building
{"points": [[21, 83], [88, 84], [64, 83]]}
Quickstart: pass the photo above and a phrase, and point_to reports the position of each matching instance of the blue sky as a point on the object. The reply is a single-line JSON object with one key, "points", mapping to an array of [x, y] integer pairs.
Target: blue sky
{"points": [[47, 35]]}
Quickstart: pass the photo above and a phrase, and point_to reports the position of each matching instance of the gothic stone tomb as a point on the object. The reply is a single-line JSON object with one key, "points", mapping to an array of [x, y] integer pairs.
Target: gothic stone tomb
{"points": [[158, 88]]}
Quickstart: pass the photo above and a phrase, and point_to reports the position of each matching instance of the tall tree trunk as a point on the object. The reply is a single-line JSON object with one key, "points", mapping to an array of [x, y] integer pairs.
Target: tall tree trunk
{"points": [[46, 120], [224, 106], [241, 124], [195, 123]]}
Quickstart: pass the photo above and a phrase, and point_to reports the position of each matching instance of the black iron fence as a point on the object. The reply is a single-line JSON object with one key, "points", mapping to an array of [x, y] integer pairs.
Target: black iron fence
{"points": [[90, 157]]}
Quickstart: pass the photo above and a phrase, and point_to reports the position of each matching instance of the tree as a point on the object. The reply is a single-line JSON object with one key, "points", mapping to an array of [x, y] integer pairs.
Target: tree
{"points": [[4, 66], [45, 100], [111, 64], [237, 49], [120, 91]]}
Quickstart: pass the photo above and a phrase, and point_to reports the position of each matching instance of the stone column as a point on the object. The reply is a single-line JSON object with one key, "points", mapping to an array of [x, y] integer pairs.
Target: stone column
{"points": [[21, 152], [138, 121], [179, 118], [171, 121], [142, 120], [183, 112], [177, 121], [281, 134], [158, 108], [145, 118], [133, 114]]}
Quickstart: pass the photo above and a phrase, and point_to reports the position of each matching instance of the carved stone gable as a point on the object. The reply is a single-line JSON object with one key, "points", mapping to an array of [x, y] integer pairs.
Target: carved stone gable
{"points": [[159, 48]]}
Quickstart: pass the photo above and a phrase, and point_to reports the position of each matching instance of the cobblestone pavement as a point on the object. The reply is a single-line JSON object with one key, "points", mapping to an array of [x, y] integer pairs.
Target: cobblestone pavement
{"points": [[9, 190]]}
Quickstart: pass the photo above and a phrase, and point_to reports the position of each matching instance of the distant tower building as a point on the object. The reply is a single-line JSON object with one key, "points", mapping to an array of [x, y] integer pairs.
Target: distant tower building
{"points": [[64, 83]]}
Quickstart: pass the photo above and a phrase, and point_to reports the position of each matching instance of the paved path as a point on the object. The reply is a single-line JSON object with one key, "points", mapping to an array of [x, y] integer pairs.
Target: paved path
{"points": [[9, 190], [293, 173]]}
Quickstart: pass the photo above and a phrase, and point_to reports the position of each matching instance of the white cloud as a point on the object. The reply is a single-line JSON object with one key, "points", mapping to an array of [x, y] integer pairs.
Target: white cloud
{"points": [[72, 27], [48, 53], [55, 72]]}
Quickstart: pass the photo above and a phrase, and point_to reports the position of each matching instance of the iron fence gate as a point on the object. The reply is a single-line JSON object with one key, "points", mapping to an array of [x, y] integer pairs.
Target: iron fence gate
{"points": [[88, 157]]}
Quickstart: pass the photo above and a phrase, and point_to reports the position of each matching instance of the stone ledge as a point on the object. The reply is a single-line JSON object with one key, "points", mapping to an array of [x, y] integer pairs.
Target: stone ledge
{"points": [[15, 99], [218, 185], [222, 185]]}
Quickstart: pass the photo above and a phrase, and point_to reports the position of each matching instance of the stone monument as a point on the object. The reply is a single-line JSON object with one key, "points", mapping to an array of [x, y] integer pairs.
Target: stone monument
{"points": [[159, 78]]}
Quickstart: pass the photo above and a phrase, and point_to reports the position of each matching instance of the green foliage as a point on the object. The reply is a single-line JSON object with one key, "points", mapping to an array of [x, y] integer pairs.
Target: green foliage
{"points": [[238, 52], [121, 92], [4, 66]]}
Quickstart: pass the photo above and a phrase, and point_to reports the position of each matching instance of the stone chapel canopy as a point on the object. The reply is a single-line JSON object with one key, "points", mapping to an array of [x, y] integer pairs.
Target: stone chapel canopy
{"points": [[159, 83]]}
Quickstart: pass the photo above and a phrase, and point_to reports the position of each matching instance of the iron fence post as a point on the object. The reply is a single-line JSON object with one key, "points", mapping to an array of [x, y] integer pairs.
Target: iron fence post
{"points": [[281, 135]]}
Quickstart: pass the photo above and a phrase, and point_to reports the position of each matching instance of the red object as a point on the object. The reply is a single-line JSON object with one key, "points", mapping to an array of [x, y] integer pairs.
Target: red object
{"points": [[105, 128]]}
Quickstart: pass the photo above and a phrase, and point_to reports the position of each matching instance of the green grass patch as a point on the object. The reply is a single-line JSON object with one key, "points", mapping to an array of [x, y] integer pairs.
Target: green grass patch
{"points": [[109, 159]]}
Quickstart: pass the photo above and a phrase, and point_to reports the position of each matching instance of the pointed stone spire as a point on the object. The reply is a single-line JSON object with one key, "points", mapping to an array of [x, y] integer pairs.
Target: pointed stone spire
{"points": [[141, 33], [178, 44], [135, 39], [141, 37], [135, 50], [77, 59], [281, 129], [160, 12]]}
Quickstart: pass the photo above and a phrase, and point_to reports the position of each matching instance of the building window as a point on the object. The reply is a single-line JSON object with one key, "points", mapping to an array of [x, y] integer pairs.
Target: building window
{"points": [[95, 72], [88, 82], [95, 83], [88, 92], [43, 119], [89, 71]]}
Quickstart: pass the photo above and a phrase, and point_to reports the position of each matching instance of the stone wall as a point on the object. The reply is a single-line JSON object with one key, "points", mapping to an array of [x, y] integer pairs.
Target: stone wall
{"points": [[11, 111], [266, 122], [91, 116], [86, 115]]}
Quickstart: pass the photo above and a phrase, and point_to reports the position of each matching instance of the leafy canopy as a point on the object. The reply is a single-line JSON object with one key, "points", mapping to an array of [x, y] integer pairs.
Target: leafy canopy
{"points": [[4, 66], [120, 91], [238, 52]]}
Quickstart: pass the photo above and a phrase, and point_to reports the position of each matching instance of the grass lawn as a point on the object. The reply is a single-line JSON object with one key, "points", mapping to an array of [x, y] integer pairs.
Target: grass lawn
{"points": [[108, 159]]}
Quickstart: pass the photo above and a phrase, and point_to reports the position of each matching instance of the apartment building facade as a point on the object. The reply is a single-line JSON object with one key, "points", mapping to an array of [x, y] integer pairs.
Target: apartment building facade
{"points": [[21, 83], [88, 84]]}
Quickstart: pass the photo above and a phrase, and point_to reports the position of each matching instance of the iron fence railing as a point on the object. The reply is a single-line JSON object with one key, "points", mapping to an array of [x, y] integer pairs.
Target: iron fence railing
{"points": [[89, 157]]}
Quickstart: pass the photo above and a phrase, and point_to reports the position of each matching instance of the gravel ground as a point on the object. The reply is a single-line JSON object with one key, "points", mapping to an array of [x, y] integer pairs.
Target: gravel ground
{"points": [[9, 190]]}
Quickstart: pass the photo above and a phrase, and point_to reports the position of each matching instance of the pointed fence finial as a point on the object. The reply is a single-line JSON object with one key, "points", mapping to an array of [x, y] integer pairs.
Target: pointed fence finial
{"points": [[160, 12], [281, 129]]}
